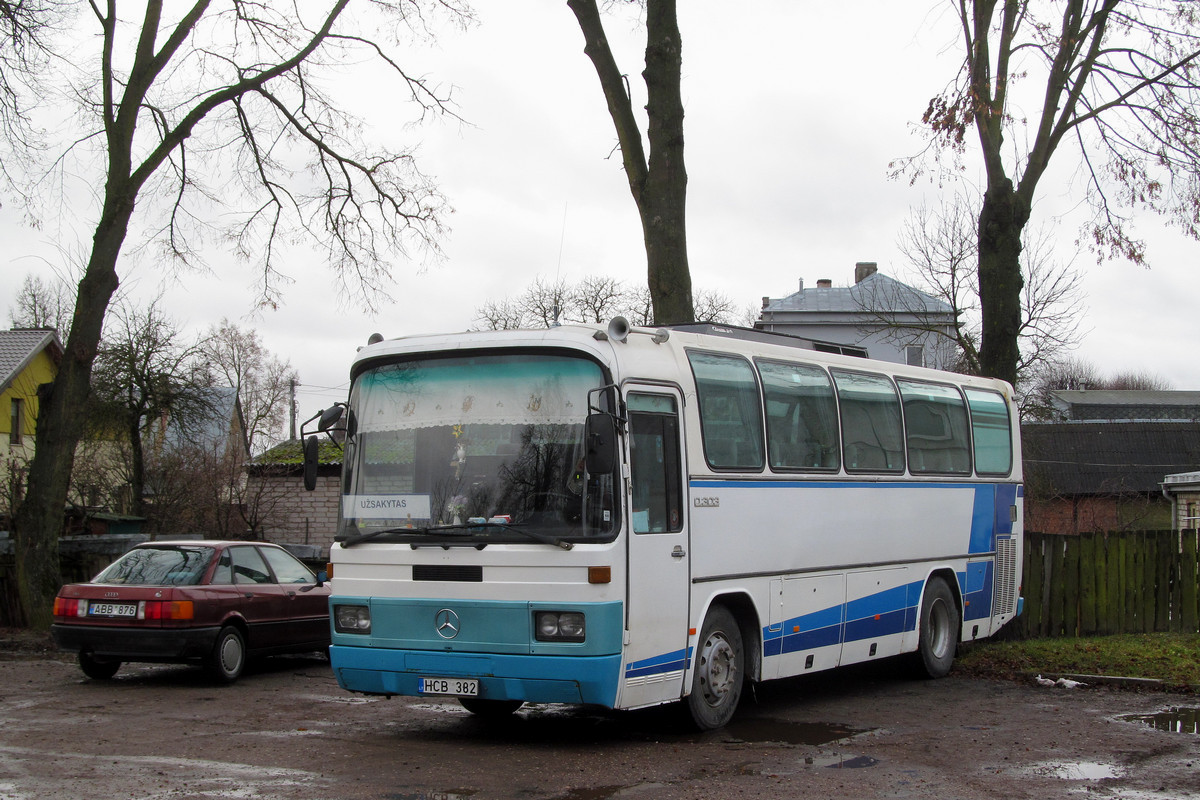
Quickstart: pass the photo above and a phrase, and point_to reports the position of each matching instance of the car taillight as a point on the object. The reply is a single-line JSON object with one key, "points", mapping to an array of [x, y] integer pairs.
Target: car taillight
{"points": [[165, 609], [69, 607]]}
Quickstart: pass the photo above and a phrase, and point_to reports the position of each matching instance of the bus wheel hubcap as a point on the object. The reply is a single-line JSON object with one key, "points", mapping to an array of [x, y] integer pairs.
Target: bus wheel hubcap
{"points": [[717, 668]]}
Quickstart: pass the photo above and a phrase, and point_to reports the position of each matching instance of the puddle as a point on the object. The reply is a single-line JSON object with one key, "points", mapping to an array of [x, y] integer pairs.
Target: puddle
{"points": [[1172, 720], [840, 761], [764, 730], [1075, 770], [453, 794]]}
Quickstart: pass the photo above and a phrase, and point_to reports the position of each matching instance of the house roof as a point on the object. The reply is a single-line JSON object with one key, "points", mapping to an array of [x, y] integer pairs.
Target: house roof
{"points": [[19, 346], [219, 409], [1125, 404], [876, 293], [1081, 458], [291, 454]]}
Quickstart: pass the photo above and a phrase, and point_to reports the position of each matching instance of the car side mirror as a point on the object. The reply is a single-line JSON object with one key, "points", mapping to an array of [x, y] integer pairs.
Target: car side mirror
{"points": [[600, 438], [322, 577]]}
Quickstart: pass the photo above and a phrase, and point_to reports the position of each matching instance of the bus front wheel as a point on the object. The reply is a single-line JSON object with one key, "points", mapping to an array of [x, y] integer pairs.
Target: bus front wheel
{"points": [[940, 623], [719, 671]]}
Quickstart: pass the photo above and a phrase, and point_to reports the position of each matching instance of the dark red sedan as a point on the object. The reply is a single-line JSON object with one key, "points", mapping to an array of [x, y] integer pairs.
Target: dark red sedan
{"points": [[214, 603]]}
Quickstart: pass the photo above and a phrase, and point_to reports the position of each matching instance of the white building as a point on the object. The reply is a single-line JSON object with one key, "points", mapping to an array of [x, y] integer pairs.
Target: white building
{"points": [[878, 317]]}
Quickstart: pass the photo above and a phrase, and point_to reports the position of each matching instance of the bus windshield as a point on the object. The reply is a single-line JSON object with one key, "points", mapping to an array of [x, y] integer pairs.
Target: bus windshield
{"points": [[474, 450]]}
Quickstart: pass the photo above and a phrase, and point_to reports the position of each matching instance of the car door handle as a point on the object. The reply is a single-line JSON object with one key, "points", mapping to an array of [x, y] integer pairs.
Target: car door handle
{"points": [[678, 552]]}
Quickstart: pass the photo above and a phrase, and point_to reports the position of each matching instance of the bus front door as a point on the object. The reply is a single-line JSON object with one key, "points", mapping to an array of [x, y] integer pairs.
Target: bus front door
{"points": [[656, 620]]}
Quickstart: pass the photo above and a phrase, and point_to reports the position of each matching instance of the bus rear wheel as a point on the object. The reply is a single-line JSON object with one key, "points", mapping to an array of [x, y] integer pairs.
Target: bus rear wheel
{"points": [[719, 671], [940, 624]]}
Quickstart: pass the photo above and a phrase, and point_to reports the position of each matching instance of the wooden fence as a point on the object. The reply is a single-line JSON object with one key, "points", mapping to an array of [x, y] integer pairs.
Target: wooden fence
{"points": [[1105, 583]]}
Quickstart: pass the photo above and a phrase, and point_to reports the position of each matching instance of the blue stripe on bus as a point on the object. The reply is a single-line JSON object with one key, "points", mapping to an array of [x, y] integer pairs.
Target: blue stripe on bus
{"points": [[881, 614], [667, 662]]}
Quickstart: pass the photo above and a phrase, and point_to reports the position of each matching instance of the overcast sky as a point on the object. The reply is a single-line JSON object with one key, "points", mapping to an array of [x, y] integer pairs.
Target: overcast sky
{"points": [[794, 110]]}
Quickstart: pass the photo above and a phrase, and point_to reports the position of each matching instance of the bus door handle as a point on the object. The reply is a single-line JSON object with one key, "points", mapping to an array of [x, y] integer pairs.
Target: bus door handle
{"points": [[678, 552]]}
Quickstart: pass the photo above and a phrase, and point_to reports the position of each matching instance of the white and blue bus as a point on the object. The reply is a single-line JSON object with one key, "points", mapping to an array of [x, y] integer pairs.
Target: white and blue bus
{"points": [[628, 517]]}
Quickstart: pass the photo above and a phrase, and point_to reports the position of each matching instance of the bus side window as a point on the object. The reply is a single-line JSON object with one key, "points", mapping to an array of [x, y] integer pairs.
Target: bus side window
{"points": [[730, 411], [655, 465], [872, 435], [802, 428], [992, 434], [935, 420]]}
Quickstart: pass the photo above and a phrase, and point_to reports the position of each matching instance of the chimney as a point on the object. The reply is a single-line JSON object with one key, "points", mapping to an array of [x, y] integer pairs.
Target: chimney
{"points": [[824, 283], [802, 284], [864, 270], [766, 302]]}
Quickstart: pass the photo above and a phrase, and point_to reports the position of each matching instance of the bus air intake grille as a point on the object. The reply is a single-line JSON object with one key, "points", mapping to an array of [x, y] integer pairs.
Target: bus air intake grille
{"points": [[465, 573], [1006, 576]]}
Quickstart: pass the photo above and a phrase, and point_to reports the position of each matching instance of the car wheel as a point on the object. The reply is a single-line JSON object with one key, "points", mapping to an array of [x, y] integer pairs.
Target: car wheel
{"points": [[718, 672], [97, 668], [938, 638], [490, 709], [228, 656]]}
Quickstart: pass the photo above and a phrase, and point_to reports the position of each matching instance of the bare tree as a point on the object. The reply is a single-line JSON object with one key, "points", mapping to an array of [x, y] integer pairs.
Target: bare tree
{"points": [[43, 304], [1117, 82], [715, 307], [500, 315], [28, 30], [659, 184], [596, 298], [544, 303], [235, 357], [593, 300], [221, 100], [941, 246], [1070, 373]]}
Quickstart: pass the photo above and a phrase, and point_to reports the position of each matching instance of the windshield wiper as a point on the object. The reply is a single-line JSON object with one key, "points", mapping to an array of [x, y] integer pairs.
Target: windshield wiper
{"points": [[433, 530]]}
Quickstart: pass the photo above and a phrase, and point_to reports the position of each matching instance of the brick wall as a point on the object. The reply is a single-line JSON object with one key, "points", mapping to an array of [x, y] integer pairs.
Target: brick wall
{"points": [[292, 515]]}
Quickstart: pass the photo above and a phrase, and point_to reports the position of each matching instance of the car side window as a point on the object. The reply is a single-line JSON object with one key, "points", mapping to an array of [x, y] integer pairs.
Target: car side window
{"points": [[223, 574], [287, 568], [248, 566]]}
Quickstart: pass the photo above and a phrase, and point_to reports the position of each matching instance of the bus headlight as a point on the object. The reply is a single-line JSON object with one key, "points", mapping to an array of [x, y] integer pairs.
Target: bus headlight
{"points": [[559, 626], [352, 619]]}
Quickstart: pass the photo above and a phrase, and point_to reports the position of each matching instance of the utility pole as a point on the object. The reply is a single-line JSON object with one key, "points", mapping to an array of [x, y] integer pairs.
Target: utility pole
{"points": [[292, 407]]}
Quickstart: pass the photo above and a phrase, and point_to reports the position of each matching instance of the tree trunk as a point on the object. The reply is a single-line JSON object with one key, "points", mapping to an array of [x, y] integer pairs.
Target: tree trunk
{"points": [[664, 203], [659, 187], [1001, 221], [38, 521]]}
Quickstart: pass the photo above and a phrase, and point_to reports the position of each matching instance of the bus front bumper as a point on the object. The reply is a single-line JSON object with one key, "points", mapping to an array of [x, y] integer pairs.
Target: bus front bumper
{"points": [[590, 680]]}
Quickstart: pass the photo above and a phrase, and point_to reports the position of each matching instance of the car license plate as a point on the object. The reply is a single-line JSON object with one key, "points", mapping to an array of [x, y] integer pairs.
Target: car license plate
{"points": [[111, 609], [455, 687]]}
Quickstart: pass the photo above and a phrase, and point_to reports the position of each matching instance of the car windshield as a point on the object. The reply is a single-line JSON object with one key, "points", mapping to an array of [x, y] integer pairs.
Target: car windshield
{"points": [[163, 565], [474, 449]]}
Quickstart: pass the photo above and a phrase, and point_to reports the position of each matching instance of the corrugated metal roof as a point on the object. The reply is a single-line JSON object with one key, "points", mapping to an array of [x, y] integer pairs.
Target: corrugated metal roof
{"points": [[1107, 458], [876, 293], [19, 346]]}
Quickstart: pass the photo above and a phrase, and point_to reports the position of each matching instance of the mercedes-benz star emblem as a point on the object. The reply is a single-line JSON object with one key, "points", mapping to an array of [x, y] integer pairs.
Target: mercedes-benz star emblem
{"points": [[446, 623]]}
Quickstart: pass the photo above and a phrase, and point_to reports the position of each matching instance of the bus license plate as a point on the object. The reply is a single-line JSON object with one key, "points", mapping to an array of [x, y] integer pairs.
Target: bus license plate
{"points": [[111, 609], [455, 687]]}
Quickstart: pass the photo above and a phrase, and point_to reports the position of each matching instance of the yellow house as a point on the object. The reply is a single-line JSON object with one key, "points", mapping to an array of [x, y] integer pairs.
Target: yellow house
{"points": [[29, 357]]}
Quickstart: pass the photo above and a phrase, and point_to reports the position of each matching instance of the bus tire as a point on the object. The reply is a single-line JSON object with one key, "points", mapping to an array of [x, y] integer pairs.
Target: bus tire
{"points": [[940, 624], [719, 671], [97, 668], [228, 657], [490, 709]]}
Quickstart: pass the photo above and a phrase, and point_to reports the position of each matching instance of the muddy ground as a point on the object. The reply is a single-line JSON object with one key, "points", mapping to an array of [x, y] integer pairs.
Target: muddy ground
{"points": [[286, 730]]}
